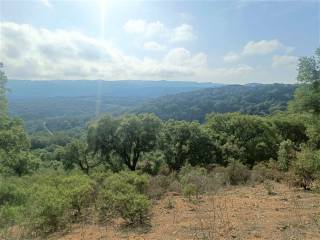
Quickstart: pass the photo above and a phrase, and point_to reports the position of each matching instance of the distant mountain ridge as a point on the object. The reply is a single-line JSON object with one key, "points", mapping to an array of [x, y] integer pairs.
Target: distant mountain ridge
{"points": [[87, 88]]}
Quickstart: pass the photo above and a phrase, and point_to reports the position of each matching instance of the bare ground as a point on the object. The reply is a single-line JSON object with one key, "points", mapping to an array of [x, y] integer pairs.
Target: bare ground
{"points": [[235, 213]]}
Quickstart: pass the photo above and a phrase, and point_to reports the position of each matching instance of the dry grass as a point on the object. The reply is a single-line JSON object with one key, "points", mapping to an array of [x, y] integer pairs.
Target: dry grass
{"points": [[241, 212]]}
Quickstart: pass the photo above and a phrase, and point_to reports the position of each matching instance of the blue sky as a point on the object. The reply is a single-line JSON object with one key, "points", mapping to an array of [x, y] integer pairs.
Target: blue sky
{"points": [[215, 41]]}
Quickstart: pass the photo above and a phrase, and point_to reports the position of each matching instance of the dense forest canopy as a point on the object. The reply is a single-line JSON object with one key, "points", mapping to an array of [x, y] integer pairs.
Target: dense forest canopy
{"points": [[259, 99]]}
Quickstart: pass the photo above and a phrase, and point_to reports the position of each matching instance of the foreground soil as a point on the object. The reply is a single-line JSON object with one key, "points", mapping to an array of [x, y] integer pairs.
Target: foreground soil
{"points": [[244, 212]]}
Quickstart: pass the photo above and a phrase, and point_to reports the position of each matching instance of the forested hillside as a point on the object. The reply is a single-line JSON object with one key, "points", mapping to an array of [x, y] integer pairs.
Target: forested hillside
{"points": [[62, 110], [259, 99], [67, 104], [114, 172]]}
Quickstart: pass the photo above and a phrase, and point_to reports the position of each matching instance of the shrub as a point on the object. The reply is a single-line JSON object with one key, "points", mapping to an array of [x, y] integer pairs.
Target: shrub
{"points": [[237, 172], [57, 201], [132, 207], [158, 185], [79, 190], [47, 211], [139, 182], [194, 180], [307, 167], [11, 193], [286, 155], [122, 195], [220, 176], [8, 218], [259, 173], [269, 187], [152, 163]]}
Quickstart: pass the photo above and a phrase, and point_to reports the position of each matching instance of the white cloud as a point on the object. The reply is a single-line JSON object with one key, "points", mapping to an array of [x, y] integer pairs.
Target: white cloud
{"points": [[284, 60], [32, 53], [231, 57], [237, 74], [146, 29], [183, 33], [47, 3], [154, 46], [182, 57], [262, 47], [259, 48], [135, 26]]}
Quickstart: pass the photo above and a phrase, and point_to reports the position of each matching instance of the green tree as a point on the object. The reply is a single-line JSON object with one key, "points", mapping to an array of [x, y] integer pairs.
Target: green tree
{"points": [[3, 100], [129, 137], [14, 142], [77, 153], [248, 138], [184, 142], [307, 96], [291, 126], [307, 167]]}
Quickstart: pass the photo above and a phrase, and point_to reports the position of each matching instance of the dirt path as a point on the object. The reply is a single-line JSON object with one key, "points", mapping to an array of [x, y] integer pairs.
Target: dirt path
{"points": [[237, 213]]}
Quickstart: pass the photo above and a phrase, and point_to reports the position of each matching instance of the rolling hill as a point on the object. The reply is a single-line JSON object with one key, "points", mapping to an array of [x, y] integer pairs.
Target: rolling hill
{"points": [[260, 99]]}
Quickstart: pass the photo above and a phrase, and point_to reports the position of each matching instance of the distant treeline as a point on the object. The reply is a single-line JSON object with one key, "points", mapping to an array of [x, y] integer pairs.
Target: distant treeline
{"points": [[257, 99]]}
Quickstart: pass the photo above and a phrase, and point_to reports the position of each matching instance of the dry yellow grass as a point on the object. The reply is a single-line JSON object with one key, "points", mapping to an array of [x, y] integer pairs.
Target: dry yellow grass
{"points": [[236, 213]]}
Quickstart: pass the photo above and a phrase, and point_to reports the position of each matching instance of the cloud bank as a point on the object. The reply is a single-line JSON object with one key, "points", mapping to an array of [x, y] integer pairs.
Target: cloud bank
{"points": [[32, 53]]}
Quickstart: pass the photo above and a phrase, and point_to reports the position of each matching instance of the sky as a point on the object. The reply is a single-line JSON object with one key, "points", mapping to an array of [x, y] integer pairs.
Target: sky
{"points": [[231, 42]]}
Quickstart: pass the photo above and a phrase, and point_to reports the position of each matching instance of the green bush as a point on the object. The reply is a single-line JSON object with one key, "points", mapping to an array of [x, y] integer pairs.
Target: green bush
{"points": [[57, 201], [122, 195], [286, 154], [237, 172], [307, 167], [132, 207], [194, 180], [11, 193], [267, 171], [152, 163], [8, 218], [47, 211]]}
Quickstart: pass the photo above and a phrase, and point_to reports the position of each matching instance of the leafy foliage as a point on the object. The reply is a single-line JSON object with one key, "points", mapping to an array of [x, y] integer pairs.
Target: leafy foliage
{"points": [[183, 142], [128, 137], [256, 99], [286, 155], [122, 195], [307, 167], [248, 138]]}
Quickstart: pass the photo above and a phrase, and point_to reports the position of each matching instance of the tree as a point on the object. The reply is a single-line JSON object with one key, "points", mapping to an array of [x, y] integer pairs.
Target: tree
{"points": [[291, 127], [250, 138], [14, 142], [3, 100], [77, 153], [307, 96], [15, 157], [307, 167], [183, 142], [129, 137]]}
